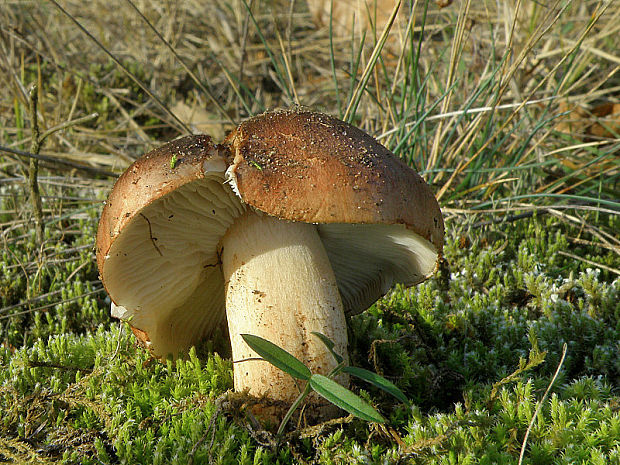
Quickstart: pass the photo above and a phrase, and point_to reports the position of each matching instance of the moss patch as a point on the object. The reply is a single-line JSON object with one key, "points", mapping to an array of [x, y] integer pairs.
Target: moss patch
{"points": [[474, 348]]}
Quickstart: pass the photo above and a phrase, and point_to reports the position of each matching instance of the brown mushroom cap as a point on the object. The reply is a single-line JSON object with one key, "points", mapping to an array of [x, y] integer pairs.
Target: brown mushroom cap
{"points": [[157, 244], [149, 178], [305, 166], [379, 221]]}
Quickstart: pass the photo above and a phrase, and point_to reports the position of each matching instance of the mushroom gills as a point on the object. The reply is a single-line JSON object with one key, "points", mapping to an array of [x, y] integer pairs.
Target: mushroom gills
{"points": [[173, 290], [368, 259]]}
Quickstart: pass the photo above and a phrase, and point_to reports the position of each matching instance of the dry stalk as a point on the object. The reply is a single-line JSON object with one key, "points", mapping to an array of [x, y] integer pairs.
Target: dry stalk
{"points": [[540, 404], [36, 141], [33, 167]]}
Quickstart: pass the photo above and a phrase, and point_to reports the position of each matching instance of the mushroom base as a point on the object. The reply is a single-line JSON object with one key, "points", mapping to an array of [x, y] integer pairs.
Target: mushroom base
{"points": [[281, 287]]}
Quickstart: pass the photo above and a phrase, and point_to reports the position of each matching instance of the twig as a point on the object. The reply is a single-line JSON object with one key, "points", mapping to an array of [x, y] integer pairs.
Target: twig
{"points": [[508, 219], [36, 364], [540, 403], [43, 307], [35, 299], [200, 442], [45, 158], [33, 168], [316, 430], [590, 262], [221, 403], [67, 124], [36, 141]]}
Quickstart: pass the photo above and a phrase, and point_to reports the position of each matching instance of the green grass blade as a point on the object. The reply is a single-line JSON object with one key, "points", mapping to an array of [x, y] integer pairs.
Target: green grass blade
{"points": [[330, 346], [276, 65], [378, 381], [332, 57], [343, 398], [349, 113], [277, 357]]}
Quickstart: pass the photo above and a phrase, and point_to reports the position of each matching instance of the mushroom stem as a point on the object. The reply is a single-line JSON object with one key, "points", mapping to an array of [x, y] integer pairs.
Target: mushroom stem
{"points": [[281, 287]]}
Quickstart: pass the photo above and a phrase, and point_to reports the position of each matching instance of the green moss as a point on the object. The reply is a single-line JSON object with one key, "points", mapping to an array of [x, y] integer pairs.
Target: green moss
{"points": [[52, 294], [80, 391]]}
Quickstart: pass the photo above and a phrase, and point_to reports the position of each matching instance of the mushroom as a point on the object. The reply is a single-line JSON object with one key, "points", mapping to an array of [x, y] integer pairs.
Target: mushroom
{"points": [[294, 221]]}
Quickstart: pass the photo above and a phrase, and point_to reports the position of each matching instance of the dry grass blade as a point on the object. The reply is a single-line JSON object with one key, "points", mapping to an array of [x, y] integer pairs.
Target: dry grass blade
{"points": [[287, 67], [590, 262], [540, 403], [59, 161], [124, 68], [611, 240], [455, 58], [464, 164], [366, 74], [197, 81]]}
